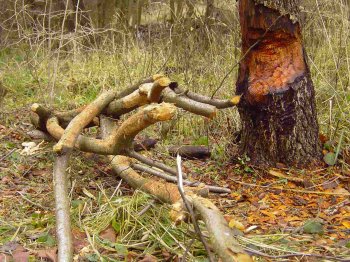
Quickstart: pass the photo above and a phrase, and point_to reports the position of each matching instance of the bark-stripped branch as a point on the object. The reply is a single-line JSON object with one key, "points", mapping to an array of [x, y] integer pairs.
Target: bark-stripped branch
{"points": [[223, 241], [76, 126]]}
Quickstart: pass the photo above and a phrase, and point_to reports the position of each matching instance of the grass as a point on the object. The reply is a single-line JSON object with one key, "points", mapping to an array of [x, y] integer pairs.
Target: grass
{"points": [[27, 70]]}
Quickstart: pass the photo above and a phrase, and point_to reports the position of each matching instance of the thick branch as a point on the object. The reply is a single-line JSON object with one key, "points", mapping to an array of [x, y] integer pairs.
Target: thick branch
{"points": [[62, 205], [146, 93], [218, 103], [190, 152], [122, 138], [189, 105], [83, 143], [221, 235], [76, 126]]}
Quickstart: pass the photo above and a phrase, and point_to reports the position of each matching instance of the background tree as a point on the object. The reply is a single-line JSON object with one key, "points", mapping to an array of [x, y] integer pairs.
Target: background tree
{"points": [[278, 110]]}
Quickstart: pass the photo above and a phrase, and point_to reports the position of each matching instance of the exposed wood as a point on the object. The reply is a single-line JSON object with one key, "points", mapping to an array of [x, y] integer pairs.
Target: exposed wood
{"points": [[223, 241], [145, 93], [76, 126], [221, 236], [277, 108], [62, 205], [166, 192], [83, 143], [157, 88], [122, 138], [190, 152]]}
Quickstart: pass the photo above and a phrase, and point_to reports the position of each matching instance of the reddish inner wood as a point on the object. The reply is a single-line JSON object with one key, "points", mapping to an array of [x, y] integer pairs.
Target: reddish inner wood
{"points": [[276, 62]]}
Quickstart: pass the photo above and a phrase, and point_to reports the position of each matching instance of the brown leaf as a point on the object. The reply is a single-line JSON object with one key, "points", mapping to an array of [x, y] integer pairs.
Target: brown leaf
{"points": [[20, 255], [50, 254], [79, 240], [149, 258], [109, 234]]}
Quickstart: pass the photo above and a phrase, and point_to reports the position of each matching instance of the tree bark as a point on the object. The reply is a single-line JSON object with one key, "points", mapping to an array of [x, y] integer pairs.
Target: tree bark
{"points": [[277, 109]]}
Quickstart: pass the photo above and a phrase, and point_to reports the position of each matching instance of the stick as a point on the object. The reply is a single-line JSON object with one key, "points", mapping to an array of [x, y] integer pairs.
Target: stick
{"points": [[189, 208], [78, 123], [218, 103], [173, 179], [151, 162], [63, 225]]}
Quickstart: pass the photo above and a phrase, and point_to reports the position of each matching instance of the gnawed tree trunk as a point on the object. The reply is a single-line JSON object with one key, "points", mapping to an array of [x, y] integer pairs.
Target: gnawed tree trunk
{"points": [[278, 108]]}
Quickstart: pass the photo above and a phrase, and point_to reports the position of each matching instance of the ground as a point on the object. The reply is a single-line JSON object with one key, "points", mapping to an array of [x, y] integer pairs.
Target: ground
{"points": [[279, 212]]}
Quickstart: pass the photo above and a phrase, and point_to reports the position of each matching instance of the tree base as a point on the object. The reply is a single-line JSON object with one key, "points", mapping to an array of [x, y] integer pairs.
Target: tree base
{"points": [[283, 129]]}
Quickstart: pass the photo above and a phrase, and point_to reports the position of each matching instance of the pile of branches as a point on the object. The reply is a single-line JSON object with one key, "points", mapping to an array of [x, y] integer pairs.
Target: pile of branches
{"points": [[156, 99]]}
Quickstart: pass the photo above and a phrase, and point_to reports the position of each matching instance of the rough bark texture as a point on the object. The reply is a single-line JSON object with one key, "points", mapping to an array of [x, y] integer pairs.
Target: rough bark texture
{"points": [[278, 108]]}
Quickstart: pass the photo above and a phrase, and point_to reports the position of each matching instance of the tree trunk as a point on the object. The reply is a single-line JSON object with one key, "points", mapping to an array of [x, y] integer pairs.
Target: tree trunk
{"points": [[278, 111]]}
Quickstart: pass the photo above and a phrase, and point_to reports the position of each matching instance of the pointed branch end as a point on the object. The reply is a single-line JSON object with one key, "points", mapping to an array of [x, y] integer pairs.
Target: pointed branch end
{"points": [[236, 99]]}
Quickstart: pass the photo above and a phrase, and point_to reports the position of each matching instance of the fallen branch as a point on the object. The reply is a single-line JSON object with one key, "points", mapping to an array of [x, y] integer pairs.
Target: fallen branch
{"points": [[145, 94], [173, 179], [189, 208], [223, 242], [218, 103], [62, 205], [151, 162], [76, 126], [145, 144], [188, 104], [190, 152]]}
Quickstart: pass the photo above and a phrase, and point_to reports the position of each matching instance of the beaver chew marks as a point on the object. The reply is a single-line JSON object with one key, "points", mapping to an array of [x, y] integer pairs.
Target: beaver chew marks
{"points": [[276, 62]]}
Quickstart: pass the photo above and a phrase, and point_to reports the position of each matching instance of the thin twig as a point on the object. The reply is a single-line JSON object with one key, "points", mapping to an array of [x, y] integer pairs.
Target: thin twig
{"points": [[189, 208], [8, 154]]}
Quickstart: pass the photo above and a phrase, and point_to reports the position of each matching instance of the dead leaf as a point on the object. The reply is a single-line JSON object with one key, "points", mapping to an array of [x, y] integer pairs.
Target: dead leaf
{"points": [[109, 234], [346, 224], [79, 240], [50, 254], [149, 258], [341, 191], [236, 224], [20, 255]]}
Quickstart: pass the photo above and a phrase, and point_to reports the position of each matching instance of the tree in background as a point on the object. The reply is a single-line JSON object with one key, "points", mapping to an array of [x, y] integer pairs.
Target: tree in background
{"points": [[278, 111]]}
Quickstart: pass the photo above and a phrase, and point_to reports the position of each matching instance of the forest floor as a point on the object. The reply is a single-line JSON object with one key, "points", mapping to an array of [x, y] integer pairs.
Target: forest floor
{"points": [[282, 215]]}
